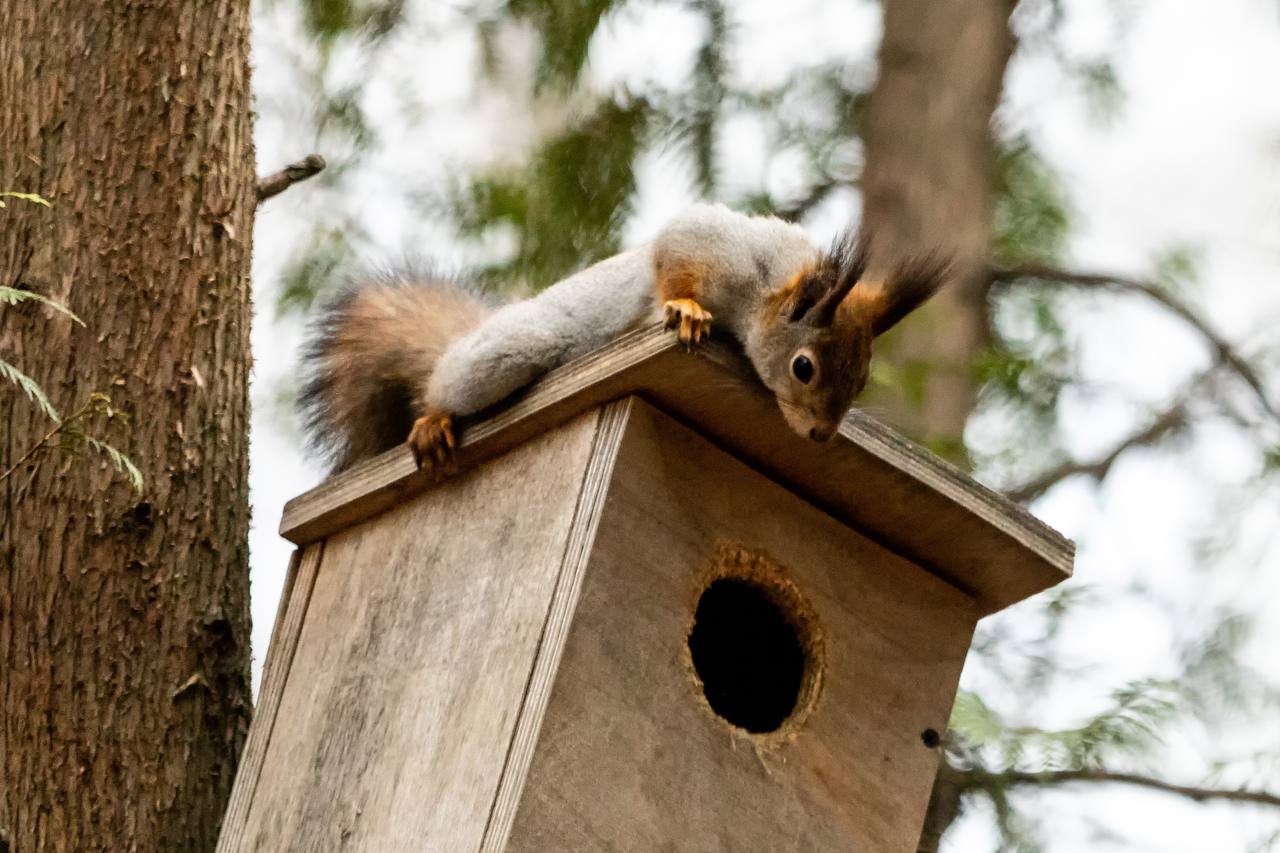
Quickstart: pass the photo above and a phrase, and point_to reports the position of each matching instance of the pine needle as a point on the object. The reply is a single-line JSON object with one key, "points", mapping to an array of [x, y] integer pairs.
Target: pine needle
{"points": [[122, 463], [30, 387], [14, 295]]}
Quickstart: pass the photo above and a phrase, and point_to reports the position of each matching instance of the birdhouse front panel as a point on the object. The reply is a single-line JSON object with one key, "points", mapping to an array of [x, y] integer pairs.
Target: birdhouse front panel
{"points": [[413, 658], [740, 671]]}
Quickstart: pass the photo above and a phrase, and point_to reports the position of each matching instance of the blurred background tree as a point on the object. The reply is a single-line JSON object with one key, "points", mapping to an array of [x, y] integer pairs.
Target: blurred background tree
{"points": [[522, 140]]}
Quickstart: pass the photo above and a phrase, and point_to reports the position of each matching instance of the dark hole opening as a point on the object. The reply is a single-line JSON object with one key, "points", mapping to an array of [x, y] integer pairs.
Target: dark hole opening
{"points": [[748, 655]]}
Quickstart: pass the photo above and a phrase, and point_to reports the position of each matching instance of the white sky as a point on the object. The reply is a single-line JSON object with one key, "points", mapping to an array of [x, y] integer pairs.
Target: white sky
{"points": [[1194, 156]]}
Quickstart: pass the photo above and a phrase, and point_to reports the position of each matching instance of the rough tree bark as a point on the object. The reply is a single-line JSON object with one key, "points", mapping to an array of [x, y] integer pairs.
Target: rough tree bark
{"points": [[927, 184], [124, 619]]}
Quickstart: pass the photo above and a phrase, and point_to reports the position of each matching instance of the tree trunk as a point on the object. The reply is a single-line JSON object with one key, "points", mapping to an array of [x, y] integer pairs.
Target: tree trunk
{"points": [[927, 185], [124, 618]]}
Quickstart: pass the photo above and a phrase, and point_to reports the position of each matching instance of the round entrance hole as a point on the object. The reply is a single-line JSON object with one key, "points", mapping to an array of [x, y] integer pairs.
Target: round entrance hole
{"points": [[749, 655]]}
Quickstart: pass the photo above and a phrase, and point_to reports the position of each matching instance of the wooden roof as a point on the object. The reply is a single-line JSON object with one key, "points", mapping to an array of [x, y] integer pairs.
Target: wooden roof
{"points": [[868, 476]]}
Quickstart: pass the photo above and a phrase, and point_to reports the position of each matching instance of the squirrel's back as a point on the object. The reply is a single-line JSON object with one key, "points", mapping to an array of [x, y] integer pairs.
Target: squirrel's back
{"points": [[369, 355]]}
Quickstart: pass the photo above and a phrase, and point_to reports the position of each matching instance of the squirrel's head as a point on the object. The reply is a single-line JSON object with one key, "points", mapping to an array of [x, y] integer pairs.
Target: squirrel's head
{"points": [[812, 347]]}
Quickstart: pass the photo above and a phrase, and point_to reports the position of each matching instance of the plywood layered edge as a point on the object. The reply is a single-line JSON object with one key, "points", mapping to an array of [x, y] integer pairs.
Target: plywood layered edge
{"points": [[868, 476], [290, 613]]}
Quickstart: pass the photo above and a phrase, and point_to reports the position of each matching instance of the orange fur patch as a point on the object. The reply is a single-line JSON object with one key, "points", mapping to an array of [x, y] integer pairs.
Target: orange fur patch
{"points": [[867, 302], [680, 279], [787, 293]]}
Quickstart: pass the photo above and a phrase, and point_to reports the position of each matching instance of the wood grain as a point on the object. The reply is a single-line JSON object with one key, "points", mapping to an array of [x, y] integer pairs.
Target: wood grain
{"points": [[415, 659], [613, 419], [630, 758], [868, 476], [290, 613]]}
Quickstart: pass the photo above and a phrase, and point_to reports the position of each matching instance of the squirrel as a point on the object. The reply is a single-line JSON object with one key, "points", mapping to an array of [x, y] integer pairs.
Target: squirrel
{"points": [[405, 357]]}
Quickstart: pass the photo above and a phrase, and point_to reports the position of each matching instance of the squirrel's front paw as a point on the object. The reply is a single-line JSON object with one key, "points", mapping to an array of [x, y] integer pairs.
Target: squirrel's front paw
{"points": [[693, 320], [432, 443]]}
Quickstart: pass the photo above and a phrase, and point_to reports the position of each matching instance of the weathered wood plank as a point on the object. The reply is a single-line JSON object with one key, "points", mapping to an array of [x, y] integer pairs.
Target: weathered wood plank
{"points": [[392, 478], [290, 613], [895, 492], [613, 420], [630, 758], [415, 657]]}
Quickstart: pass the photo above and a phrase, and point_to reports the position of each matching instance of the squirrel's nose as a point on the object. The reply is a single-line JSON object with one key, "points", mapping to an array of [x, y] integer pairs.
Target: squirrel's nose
{"points": [[820, 434]]}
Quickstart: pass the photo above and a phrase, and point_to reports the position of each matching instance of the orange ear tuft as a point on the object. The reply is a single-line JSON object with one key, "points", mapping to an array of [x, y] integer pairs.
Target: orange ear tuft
{"points": [[801, 293], [883, 304], [868, 301], [843, 266]]}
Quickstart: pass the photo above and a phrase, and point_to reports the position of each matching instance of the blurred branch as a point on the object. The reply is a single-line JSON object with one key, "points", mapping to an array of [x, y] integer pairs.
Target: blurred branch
{"points": [[1221, 347], [944, 807], [273, 185], [982, 779], [817, 193], [1169, 421]]}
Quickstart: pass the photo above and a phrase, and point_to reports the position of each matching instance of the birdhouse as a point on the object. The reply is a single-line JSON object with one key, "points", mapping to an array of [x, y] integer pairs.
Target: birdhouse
{"points": [[642, 615]]}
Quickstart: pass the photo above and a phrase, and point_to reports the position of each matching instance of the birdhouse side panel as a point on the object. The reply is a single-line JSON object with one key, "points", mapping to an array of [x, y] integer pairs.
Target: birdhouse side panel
{"points": [[632, 755]]}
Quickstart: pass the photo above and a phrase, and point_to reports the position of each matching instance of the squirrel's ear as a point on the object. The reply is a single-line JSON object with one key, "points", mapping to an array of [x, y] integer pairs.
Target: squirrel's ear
{"points": [[909, 287], [843, 265], [802, 292]]}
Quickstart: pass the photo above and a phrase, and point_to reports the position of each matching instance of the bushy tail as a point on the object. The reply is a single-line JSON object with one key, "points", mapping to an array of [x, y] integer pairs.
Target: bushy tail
{"points": [[369, 356]]}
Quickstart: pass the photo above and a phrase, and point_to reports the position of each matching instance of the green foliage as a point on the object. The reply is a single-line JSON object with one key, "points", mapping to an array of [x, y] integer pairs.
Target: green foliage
{"points": [[118, 460], [69, 436], [1031, 213], [341, 113], [707, 92], [1101, 87], [29, 387], [566, 28], [815, 114], [1177, 267], [69, 433], [907, 376], [329, 20], [313, 273], [1130, 726], [73, 437], [15, 295], [1024, 374], [566, 207]]}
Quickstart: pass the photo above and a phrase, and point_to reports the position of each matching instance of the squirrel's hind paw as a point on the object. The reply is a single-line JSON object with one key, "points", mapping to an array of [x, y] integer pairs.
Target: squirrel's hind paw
{"points": [[692, 321], [432, 442]]}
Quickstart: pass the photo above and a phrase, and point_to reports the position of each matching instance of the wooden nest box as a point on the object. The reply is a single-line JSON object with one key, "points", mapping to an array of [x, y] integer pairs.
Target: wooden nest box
{"points": [[643, 616]]}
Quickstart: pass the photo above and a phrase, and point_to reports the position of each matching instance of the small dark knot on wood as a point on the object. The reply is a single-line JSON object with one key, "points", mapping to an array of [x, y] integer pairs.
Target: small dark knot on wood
{"points": [[931, 738]]}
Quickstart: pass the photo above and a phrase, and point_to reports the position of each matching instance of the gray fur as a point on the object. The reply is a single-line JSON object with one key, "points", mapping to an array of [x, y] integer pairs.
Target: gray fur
{"points": [[521, 341], [749, 255], [391, 353]]}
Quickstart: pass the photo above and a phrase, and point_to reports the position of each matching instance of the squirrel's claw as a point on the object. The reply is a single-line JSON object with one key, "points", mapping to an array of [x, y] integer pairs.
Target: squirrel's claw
{"points": [[432, 442], [693, 321]]}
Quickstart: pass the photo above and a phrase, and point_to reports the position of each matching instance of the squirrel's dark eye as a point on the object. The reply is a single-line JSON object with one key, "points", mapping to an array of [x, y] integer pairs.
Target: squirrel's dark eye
{"points": [[802, 367]]}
